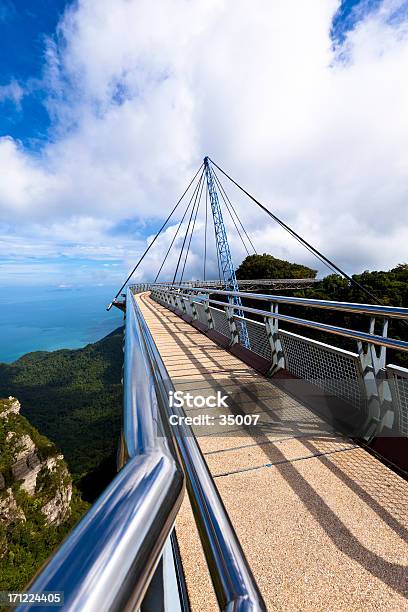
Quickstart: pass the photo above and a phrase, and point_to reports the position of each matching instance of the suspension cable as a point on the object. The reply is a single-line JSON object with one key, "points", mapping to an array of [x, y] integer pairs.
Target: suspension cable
{"points": [[172, 242], [306, 244], [224, 193], [195, 193], [192, 232], [296, 238], [230, 214], [155, 238], [205, 231]]}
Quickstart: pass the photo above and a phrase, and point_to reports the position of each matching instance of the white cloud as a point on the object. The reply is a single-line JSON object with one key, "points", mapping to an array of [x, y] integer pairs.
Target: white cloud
{"points": [[139, 91], [12, 91]]}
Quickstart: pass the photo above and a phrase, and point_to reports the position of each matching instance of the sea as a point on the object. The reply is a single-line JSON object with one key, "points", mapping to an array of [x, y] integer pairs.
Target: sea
{"points": [[51, 318]]}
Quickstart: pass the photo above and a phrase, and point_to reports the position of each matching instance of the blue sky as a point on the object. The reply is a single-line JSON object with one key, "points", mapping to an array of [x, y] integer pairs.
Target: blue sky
{"points": [[349, 13], [90, 174], [26, 25]]}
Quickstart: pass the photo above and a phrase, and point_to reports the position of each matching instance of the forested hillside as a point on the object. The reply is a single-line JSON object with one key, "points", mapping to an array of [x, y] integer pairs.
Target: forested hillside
{"points": [[38, 503], [74, 397], [268, 266], [390, 287]]}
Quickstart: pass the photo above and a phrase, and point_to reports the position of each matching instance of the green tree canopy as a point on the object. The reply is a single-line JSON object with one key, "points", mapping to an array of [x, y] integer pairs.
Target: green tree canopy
{"points": [[390, 287], [267, 266]]}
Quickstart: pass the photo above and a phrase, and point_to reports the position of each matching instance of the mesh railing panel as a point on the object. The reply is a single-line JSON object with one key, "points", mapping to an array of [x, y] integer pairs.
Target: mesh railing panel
{"points": [[335, 371], [399, 382], [159, 299], [258, 338], [202, 316], [220, 322], [178, 306], [187, 306]]}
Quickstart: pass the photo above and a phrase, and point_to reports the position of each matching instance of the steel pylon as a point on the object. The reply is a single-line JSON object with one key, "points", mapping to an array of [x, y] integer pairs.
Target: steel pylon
{"points": [[223, 249]]}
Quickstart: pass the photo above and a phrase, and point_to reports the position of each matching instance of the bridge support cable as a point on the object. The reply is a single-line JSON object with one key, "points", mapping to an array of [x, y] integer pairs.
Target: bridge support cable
{"points": [[330, 264], [154, 239], [205, 233], [294, 235], [194, 196], [174, 238], [225, 259], [228, 204], [232, 218], [192, 231]]}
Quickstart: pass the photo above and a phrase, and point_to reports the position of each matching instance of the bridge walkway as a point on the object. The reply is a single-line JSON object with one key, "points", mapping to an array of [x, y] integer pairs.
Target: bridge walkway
{"points": [[324, 524]]}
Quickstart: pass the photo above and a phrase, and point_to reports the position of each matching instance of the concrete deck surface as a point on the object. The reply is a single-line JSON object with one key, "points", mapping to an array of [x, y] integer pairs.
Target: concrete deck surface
{"points": [[324, 524]]}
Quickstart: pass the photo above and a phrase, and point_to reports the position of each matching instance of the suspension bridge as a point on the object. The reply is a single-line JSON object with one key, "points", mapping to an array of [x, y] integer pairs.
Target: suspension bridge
{"points": [[250, 474]]}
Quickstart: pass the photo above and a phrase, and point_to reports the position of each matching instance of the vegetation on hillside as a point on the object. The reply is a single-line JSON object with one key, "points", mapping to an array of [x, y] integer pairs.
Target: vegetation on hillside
{"points": [[267, 266], [390, 287], [74, 397], [31, 542], [38, 505]]}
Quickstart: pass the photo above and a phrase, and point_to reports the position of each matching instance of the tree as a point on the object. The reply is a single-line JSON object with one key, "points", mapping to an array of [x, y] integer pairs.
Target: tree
{"points": [[267, 266]]}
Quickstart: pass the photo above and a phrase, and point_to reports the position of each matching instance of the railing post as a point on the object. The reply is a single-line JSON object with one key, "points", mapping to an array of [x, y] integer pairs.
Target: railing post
{"points": [[272, 332], [379, 400], [232, 325], [187, 305], [193, 308], [183, 305], [208, 313]]}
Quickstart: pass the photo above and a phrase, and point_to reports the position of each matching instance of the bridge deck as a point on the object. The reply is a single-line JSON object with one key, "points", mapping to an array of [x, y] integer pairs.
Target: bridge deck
{"points": [[324, 524]]}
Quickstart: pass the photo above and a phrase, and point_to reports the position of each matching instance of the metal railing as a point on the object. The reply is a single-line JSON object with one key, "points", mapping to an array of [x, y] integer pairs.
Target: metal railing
{"points": [[108, 560], [398, 378], [359, 378], [371, 309], [233, 582], [260, 282]]}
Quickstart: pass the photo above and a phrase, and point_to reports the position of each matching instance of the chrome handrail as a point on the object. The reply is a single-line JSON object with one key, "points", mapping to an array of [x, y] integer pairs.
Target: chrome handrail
{"points": [[353, 334], [360, 336], [258, 281], [369, 309], [234, 584], [108, 560]]}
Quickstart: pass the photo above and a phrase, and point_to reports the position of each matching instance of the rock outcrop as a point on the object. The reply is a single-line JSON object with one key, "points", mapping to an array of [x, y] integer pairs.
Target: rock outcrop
{"points": [[9, 510], [32, 473]]}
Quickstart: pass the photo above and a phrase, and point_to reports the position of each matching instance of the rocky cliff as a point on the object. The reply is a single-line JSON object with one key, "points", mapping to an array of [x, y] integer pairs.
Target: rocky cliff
{"points": [[37, 505], [30, 466]]}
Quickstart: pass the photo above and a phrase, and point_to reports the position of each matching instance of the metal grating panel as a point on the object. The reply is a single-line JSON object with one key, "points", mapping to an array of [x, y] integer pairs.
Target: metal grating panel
{"points": [[335, 371], [178, 307], [220, 322], [399, 387], [187, 305], [159, 299], [202, 316], [258, 338]]}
